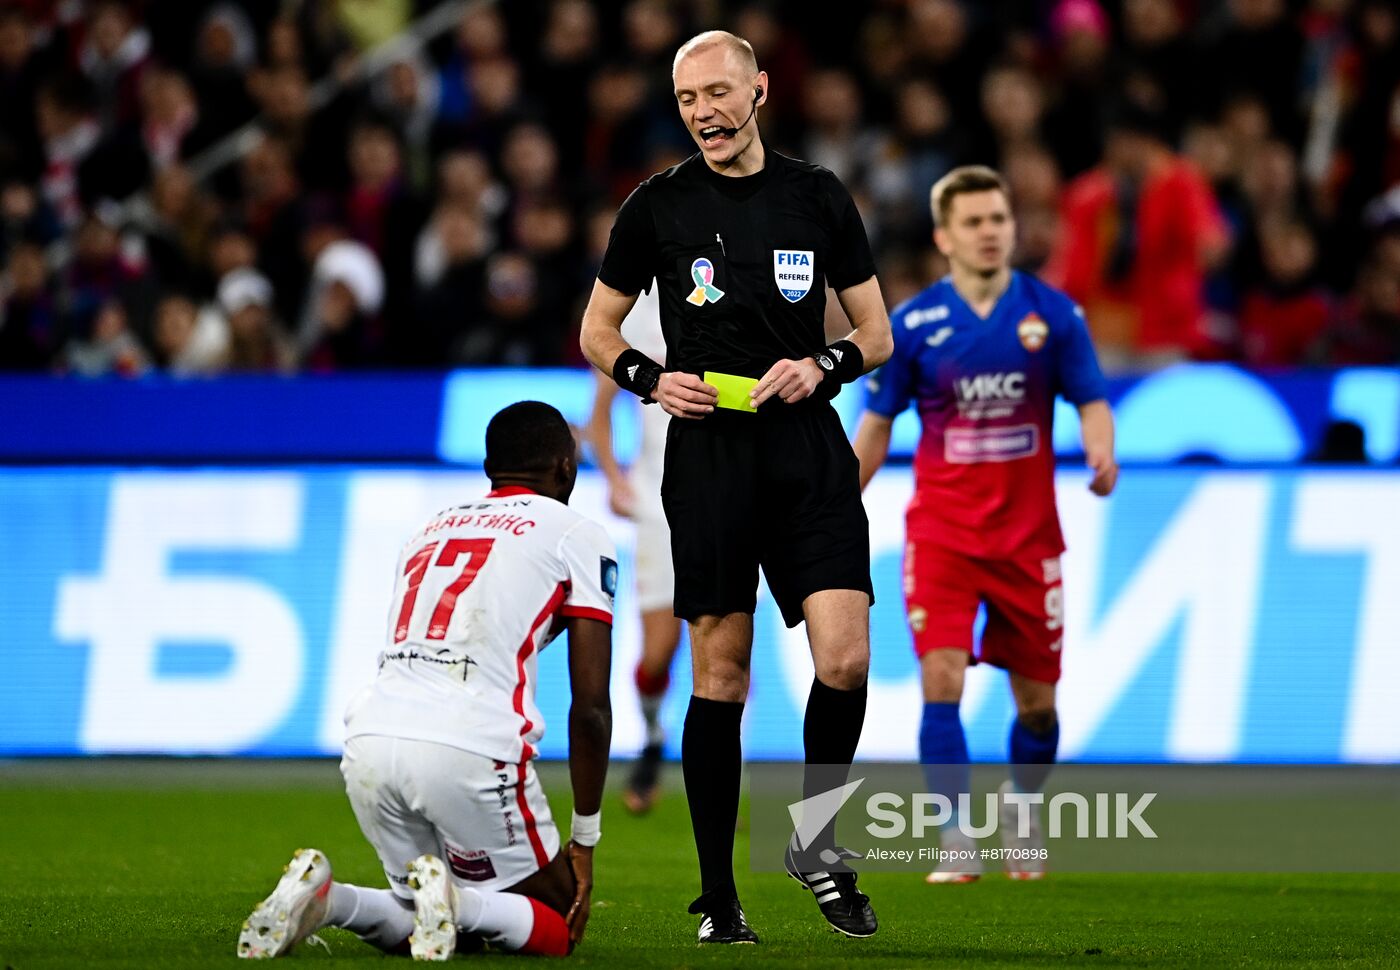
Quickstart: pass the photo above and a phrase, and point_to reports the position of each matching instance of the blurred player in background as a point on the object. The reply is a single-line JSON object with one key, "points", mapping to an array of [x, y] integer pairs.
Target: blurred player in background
{"points": [[982, 355], [438, 750], [636, 495]]}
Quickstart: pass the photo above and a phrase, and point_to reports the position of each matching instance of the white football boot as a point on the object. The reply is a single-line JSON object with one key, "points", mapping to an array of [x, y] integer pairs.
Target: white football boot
{"points": [[435, 909], [1031, 849], [295, 910], [966, 866]]}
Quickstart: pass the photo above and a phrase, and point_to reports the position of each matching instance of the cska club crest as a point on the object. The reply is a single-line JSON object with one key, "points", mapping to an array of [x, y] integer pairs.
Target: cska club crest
{"points": [[1032, 330], [918, 618]]}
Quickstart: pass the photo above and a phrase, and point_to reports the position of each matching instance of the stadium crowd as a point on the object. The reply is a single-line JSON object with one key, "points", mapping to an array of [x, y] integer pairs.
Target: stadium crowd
{"points": [[1211, 179]]}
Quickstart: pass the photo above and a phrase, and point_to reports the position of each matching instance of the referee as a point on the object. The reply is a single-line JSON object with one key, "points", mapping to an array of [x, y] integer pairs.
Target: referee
{"points": [[742, 242]]}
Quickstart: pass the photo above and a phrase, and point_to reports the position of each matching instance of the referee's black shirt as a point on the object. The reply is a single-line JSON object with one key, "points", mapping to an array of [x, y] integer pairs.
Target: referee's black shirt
{"points": [[754, 237]]}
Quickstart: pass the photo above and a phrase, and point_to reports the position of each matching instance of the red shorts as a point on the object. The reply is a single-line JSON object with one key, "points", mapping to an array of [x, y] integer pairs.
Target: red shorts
{"points": [[1024, 599]]}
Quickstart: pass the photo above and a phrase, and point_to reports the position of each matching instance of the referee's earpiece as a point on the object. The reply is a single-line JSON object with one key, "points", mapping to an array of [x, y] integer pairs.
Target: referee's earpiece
{"points": [[757, 96]]}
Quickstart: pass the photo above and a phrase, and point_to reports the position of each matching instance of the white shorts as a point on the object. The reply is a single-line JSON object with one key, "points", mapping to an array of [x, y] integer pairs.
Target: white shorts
{"points": [[488, 820], [656, 576]]}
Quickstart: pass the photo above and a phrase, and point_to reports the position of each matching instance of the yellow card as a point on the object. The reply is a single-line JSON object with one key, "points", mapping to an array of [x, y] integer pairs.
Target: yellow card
{"points": [[733, 390]]}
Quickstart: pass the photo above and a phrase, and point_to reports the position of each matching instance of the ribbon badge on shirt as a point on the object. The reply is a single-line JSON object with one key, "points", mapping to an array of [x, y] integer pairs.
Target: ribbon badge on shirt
{"points": [[702, 271], [792, 271]]}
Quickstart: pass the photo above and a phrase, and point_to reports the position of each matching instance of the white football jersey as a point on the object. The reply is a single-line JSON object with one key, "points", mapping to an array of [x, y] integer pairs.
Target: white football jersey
{"points": [[481, 589], [642, 329]]}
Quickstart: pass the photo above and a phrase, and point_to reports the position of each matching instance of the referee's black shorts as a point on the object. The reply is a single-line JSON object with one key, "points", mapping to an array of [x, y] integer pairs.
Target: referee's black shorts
{"points": [[779, 490]]}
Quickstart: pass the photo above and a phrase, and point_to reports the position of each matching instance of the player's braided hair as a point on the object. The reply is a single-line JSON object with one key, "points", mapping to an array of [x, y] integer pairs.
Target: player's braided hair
{"points": [[528, 436]]}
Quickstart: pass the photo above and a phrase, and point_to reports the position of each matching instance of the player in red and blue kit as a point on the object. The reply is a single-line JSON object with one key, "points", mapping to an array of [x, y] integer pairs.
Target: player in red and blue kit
{"points": [[982, 354]]}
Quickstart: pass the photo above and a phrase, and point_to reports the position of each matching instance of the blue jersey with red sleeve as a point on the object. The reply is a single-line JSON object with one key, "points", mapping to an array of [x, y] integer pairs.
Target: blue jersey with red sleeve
{"points": [[985, 390]]}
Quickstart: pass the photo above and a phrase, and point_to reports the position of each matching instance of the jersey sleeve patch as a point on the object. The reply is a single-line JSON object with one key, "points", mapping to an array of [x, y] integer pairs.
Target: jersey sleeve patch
{"points": [[591, 562]]}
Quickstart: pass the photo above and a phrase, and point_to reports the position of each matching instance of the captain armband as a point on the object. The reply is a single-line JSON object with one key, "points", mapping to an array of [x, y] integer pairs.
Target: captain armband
{"points": [[636, 372]]}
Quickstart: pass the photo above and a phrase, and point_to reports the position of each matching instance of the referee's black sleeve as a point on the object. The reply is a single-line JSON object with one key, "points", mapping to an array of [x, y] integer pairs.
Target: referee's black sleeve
{"points": [[851, 261], [629, 263]]}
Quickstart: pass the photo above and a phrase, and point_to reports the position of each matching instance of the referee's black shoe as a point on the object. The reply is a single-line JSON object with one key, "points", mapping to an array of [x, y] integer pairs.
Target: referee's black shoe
{"points": [[846, 908], [722, 919]]}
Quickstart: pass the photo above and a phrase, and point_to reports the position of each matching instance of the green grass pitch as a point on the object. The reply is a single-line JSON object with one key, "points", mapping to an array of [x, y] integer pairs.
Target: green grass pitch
{"points": [[148, 864]]}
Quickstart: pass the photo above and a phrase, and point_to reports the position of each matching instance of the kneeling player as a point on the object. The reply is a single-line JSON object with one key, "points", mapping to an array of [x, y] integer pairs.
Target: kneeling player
{"points": [[438, 748]]}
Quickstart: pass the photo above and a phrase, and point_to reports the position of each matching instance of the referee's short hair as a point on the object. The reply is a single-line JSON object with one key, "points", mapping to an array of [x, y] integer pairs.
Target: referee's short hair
{"points": [[718, 38], [964, 180], [528, 436]]}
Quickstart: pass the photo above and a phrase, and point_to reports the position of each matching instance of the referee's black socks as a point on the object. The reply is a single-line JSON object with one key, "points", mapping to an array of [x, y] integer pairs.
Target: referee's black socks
{"points": [[712, 762], [830, 734]]}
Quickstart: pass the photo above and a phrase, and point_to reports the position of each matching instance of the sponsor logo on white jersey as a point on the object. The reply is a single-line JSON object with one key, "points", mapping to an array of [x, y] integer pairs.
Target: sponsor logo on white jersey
{"points": [[998, 386], [792, 271], [917, 318]]}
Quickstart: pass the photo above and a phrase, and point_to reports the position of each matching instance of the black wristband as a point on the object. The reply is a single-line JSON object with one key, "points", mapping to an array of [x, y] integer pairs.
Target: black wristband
{"points": [[841, 363], [636, 372]]}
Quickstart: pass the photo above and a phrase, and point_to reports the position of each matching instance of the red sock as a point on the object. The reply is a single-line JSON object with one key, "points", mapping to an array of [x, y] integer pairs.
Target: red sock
{"points": [[649, 685], [549, 936]]}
